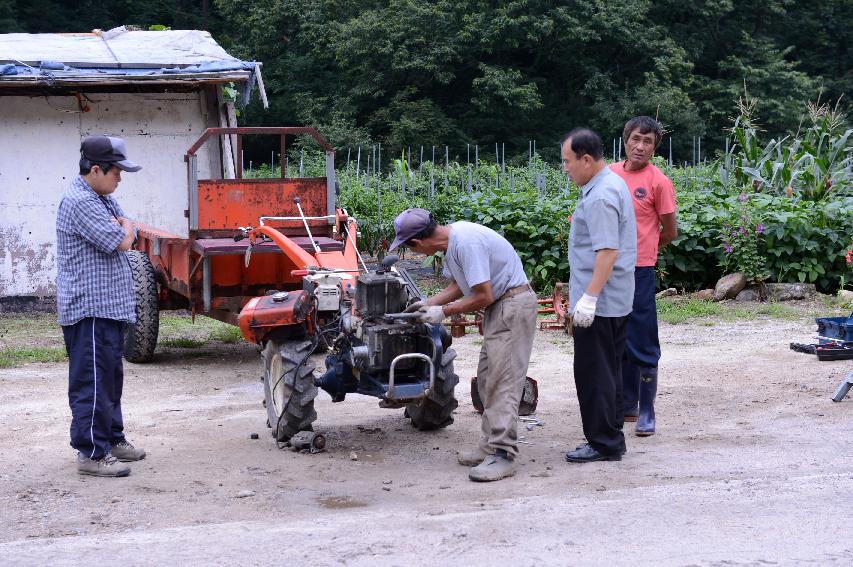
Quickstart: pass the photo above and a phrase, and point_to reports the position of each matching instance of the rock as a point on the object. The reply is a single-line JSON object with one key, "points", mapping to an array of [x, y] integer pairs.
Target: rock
{"points": [[846, 296], [353, 456], [704, 295], [789, 291], [729, 286], [245, 494], [669, 292], [115, 500], [749, 294], [386, 482]]}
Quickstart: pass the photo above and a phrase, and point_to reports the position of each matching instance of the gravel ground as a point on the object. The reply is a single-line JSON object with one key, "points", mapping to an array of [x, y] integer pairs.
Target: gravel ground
{"points": [[752, 465]]}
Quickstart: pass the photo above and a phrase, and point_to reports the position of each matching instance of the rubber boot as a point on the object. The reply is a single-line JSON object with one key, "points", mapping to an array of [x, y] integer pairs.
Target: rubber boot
{"points": [[648, 391], [630, 389]]}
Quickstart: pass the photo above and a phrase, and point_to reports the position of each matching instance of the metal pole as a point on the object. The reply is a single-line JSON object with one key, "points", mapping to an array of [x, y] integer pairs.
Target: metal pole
{"points": [[503, 160], [446, 166], [670, 151], [358, 165], [378, 209]]}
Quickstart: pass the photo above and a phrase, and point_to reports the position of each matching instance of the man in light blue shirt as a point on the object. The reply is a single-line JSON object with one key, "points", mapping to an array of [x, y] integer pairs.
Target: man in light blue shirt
{"points": [[602, 255], [485, 273]]}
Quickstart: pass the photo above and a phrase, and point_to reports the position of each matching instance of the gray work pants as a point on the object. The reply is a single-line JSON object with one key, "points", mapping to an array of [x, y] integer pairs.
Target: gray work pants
{"points": [[508, 329]]}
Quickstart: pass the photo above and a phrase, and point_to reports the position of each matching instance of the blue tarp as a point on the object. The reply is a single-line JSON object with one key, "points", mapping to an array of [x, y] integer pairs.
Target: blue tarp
{"points": [[53, 70]]}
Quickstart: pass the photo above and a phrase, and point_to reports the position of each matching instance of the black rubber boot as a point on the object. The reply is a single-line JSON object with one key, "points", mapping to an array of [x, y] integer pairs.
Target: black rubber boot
{"points": [[630, 389], [648, 391]]}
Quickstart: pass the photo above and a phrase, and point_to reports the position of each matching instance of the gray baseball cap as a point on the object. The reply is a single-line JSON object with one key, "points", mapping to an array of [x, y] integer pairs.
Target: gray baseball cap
{"points": [[107, 149], [409, 224]]}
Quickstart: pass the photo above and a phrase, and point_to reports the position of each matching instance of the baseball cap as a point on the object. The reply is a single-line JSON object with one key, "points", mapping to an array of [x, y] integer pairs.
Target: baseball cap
{"points": [[409, 224], [107, 149]]}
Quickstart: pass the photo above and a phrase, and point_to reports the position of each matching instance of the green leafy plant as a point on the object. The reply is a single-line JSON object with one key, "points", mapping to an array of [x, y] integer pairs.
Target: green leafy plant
{"points": [[740, 238]]}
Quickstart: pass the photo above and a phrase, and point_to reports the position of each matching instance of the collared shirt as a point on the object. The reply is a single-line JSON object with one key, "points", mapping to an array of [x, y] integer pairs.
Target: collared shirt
{"points": [[93, 278], [604, 219], [477, 254]]}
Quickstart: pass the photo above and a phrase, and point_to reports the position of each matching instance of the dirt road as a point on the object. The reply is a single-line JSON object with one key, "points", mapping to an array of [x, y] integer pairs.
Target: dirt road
{"points": [[752, 465]]}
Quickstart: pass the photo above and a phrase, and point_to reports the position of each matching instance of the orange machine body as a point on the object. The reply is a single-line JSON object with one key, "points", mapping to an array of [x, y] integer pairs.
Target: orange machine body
{"points": [[208, 273]]}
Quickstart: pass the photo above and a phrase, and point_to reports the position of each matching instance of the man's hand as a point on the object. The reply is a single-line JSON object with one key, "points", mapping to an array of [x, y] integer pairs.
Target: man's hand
{"points": [[415, 306], [584, 311], [433, 314]]}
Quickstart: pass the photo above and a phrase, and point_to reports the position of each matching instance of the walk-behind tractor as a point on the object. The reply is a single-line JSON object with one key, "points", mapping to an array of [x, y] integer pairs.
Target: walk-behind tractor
{"points": [[276, 257]]}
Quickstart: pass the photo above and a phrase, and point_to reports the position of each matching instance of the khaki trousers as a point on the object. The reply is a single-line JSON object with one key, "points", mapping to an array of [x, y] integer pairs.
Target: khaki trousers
{"points": [[508, 329]]}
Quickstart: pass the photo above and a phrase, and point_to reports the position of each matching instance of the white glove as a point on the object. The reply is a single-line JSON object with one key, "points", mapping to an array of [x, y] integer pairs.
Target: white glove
{"points": [[584, 311], [414, 306], [433, 314]]}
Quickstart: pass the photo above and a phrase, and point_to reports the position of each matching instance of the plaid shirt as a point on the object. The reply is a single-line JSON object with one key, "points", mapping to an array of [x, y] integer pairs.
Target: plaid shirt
{"points": [[93, 278]]}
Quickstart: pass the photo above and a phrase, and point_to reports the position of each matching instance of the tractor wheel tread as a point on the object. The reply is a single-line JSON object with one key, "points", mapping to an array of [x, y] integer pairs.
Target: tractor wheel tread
{"points": [[298, 412], [435, 411], [141, 337]]}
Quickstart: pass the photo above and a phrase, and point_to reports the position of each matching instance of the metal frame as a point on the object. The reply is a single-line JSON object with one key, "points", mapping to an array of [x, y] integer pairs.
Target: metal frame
{"points": [[390, 393], [191, 160]]}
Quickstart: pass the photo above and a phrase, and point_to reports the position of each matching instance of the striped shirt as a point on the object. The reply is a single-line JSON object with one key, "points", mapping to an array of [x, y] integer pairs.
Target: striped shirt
{"points": [[93, 278]]}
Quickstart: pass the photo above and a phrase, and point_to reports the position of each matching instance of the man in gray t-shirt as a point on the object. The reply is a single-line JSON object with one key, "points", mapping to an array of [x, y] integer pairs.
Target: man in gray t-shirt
{"points": [[602, 254], [485, 273]]}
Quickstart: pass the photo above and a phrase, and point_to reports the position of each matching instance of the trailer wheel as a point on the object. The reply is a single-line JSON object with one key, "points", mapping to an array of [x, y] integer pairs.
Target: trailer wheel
{"points": [[434, 411], [140, 339], [289, 389]]}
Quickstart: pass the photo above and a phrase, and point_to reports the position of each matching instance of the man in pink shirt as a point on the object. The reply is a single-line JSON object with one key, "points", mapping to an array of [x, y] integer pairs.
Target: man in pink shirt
{"points": [[654, 208]]}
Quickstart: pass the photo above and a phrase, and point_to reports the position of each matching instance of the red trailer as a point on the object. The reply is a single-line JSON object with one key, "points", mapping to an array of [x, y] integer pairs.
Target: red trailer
{"points": [[277, 258]]}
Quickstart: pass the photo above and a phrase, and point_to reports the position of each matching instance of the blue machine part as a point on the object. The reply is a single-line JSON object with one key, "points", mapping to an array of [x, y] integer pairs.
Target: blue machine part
{"points": [[340, 376], [833, 329]]}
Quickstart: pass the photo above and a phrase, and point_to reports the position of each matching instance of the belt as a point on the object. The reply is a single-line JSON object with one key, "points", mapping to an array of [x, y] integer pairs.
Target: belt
{"points": [[513, 291]]}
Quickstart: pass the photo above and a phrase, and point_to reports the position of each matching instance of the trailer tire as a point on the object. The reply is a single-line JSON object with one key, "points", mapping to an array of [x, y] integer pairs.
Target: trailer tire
{"points": [[289, 389], [435, 411], [140, 339]]}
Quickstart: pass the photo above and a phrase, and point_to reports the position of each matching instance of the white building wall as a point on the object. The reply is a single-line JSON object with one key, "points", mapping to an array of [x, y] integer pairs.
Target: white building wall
{"points": [[39, 154]]}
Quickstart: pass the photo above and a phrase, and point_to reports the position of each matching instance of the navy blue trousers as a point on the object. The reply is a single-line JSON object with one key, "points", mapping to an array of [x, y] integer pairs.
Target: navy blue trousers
{"points": [[642, 346], [95, 379], [598, 379]]}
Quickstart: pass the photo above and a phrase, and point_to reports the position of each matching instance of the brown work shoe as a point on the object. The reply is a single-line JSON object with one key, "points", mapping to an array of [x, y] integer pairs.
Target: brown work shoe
{"points": [[494, 467], [125, 452], [107, 466], [472, 457]]}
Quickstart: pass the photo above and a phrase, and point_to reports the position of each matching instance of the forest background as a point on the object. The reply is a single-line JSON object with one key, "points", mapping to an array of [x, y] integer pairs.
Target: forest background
{"points": [[759, 85]]}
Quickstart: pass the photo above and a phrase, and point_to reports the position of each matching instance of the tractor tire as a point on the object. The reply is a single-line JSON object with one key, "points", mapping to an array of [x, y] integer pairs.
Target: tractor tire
{"points": [[140, 338], [289, 389], [435, 410]]}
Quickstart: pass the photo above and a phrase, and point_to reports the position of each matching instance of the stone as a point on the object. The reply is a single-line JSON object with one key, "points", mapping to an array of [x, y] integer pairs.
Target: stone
{"points": [[749, 294], [245, 494], [846, 296], [704, 295], [669, 292], [729, 286], [790, 291]]}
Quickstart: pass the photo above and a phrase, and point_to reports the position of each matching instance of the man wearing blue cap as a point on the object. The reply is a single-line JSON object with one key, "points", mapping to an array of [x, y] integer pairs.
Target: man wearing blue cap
{"points": [[95, 300], [485, 273]]}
